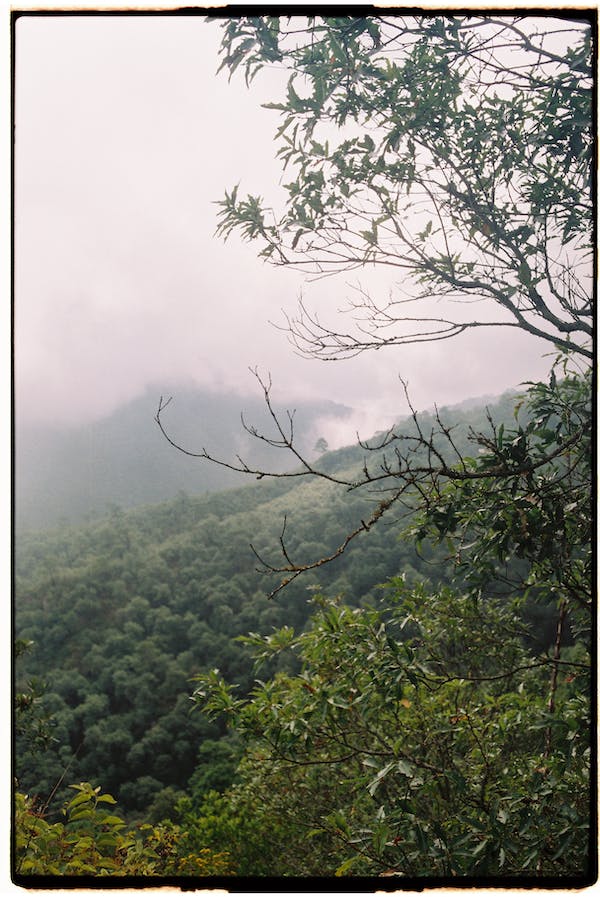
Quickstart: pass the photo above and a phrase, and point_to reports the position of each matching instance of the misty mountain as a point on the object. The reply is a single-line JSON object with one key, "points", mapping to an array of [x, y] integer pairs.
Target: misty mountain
{"points": [[71, 474]]}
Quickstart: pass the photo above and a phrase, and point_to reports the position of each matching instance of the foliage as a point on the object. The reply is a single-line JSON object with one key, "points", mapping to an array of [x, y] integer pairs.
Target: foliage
{"points": [[541, 512], [32, 723], [431, 736], [216, 766], [244, 824], [413, 742], [418, 143], [93, 841]]}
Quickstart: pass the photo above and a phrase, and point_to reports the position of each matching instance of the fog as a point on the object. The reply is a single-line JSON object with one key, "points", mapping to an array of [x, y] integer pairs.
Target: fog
{"points": [[125, 139]]}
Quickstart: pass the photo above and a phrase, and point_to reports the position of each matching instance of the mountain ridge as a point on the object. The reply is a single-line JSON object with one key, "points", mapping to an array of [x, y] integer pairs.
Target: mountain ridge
{"points": [[73, 474], [70, 474]]}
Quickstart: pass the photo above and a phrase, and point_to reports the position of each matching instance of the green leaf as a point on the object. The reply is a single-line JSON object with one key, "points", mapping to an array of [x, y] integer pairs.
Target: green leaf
{"points": [[84, 843], [297, 104], [481, 847], [381, 834], [347, 865], [81, 813], [83, 797], [112, 820], [376, 782], [405, 768]]}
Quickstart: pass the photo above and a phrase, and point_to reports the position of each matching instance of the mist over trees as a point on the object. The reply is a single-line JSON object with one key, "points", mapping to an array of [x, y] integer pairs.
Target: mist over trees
{"points": [[71, 474], [425, 717]]}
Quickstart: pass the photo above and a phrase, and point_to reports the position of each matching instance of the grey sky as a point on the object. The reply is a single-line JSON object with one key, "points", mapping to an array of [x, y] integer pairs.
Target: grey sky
{"points": [[125, 137]]}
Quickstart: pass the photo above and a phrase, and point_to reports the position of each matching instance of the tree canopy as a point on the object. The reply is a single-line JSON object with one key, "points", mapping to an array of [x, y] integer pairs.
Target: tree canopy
{"points": [[417, 741], [456, 150]]}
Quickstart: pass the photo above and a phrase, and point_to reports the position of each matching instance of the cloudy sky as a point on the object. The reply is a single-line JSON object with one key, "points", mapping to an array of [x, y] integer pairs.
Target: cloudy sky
{"points": [[125, 138]]}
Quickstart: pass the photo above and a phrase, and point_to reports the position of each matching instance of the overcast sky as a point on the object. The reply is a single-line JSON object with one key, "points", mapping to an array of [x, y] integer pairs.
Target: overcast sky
{"points": [[125, 138]]}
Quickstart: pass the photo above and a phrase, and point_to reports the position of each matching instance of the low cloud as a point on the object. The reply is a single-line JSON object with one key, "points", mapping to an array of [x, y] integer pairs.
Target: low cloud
{"points": [[125, 138]]}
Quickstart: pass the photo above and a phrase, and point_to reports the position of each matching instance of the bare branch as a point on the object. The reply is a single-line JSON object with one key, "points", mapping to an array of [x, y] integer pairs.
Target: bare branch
{"points": [[412, 474], [295, 570]]}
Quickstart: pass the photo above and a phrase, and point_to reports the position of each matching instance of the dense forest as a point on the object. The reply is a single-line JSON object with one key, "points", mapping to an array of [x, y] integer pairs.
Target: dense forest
{"points": [[124, 611], [374, 662], [122, 614]]}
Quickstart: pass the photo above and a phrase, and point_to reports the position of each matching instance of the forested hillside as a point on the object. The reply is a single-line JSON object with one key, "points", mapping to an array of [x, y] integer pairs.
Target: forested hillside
{"points": [[124, 616], [67, 474], [124, 611]]}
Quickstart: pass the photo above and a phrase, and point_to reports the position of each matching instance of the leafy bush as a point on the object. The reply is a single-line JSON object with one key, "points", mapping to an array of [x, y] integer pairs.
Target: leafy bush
{"points": [[417, 741], [93, 841]]}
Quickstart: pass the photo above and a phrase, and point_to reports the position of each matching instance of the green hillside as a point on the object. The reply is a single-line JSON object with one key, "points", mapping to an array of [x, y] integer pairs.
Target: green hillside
{"points": [[125, 610], [70, 474], [124, 617]]}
